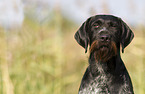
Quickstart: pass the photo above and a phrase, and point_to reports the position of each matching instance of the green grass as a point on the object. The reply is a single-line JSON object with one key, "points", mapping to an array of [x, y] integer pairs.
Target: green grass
{"points": [[45, 59]]}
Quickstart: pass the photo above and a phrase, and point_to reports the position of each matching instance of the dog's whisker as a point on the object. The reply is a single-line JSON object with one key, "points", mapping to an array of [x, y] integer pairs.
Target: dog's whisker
{"points": [[102, 51]]}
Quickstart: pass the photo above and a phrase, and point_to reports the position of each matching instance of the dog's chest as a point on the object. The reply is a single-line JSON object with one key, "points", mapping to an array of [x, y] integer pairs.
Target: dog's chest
{"points": [[99, 85], [102, 83]]}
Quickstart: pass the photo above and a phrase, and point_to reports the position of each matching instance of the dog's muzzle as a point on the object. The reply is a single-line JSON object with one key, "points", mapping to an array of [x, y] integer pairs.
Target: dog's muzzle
{"points": [[103, 49]]}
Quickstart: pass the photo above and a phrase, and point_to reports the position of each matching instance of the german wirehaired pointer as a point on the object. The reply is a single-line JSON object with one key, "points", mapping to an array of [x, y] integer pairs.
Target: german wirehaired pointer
{"points": [[106, 73]]}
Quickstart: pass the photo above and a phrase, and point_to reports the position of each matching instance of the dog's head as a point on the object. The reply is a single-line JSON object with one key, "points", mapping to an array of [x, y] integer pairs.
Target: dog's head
{"points": [[104, 34]]}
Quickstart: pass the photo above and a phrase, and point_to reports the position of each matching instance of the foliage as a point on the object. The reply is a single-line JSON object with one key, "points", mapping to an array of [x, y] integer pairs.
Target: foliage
{"points": [[45, 59]]}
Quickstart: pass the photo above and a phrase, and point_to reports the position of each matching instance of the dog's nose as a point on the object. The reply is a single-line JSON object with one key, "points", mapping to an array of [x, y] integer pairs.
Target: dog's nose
{"points": [[105, 38]]}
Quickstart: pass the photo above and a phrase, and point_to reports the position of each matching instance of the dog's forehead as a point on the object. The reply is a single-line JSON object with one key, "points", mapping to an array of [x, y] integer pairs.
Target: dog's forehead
{"points": [[105, 18]]}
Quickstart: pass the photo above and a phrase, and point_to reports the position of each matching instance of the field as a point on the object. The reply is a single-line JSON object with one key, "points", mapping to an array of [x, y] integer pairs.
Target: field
{"points": [[45, 59]]}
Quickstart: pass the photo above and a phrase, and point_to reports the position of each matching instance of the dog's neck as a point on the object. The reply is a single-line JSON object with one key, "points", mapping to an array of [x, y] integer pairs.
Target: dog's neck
{"points": [[97, 67]]}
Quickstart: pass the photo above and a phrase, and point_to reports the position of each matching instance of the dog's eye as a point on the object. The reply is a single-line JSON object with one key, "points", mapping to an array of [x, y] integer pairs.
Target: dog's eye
{"points": [[112, 25], [96, 25]]}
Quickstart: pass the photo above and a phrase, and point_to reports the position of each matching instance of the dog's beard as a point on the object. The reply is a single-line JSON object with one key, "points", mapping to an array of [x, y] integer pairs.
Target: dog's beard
{"points": [[103, 51]]}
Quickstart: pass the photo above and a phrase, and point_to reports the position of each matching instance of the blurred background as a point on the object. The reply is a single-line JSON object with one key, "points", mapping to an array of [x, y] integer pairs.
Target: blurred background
{"points": [[38, 53]]}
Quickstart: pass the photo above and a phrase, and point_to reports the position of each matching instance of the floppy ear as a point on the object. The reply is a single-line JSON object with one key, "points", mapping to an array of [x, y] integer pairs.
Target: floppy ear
{"points": [[81, 35], [126, 35]]}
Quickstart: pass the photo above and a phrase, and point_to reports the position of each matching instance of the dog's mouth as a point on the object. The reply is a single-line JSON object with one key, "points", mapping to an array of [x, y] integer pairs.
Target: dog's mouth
{"points": [[103, 51], [103, 47], [96, 45]]}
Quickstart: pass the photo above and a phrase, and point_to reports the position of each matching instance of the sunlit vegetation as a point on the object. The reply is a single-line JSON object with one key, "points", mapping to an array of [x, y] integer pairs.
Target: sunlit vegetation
{"points": [[45, 59]]}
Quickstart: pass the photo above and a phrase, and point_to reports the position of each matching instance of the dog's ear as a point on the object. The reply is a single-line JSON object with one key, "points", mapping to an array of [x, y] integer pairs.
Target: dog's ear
{"points": [[81, 35], [126, 35]]}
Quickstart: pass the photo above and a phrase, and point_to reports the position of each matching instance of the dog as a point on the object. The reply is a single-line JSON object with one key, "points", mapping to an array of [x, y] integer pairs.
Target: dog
{"points": [[106, 73]]}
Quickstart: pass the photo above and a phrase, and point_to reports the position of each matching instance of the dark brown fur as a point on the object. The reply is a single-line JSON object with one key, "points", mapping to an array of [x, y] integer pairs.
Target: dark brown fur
{"points": [[103, 51]]}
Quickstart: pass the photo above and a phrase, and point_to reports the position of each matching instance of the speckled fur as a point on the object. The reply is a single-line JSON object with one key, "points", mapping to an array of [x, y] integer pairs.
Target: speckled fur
{"points": [[106, 73], [101, 81]]}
